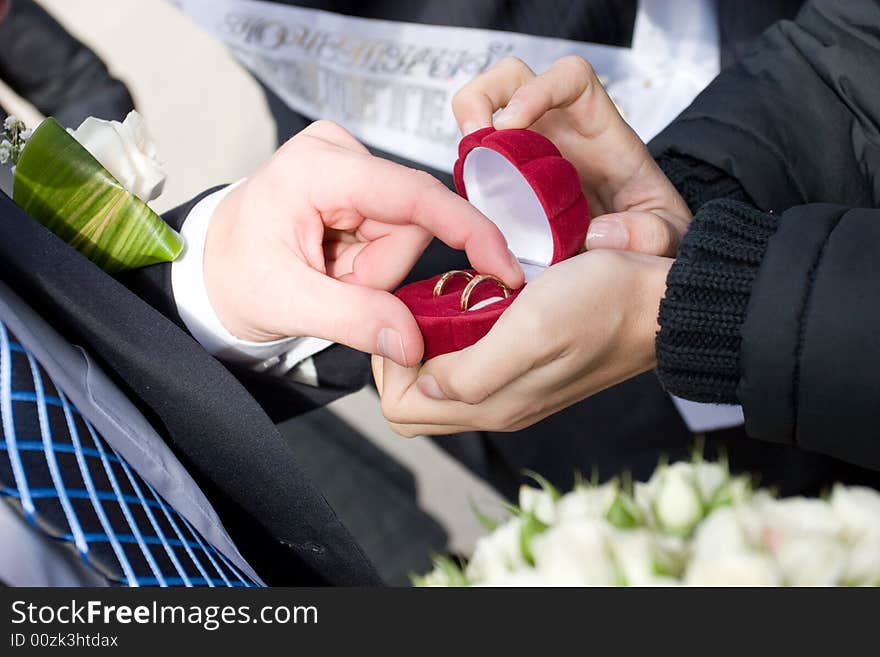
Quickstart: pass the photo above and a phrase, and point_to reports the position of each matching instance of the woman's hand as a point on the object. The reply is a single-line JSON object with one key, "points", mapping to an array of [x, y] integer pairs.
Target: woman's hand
{"points": [[582, 326], [310, 244], [634, 205]]}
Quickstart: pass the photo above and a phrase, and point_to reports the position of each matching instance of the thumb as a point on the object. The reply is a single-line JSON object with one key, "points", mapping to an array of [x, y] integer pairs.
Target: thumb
{"points": [[475, 373], [366, 319], [644, 232]]}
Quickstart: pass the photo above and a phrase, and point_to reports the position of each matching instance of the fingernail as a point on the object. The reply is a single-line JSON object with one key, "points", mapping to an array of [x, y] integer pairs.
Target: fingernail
{"points": [[509, 113], [607, 235], [391, 346], [514, 262], [469, 126], [429, 387]]}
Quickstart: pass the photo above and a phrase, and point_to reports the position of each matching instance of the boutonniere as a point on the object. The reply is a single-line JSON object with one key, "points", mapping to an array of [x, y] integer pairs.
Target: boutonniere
{"points": [[91, 187]]}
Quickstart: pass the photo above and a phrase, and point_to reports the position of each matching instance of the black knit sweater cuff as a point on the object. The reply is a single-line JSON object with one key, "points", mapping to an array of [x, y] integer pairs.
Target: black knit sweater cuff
{"points": [[699, 182], [707, 293]]}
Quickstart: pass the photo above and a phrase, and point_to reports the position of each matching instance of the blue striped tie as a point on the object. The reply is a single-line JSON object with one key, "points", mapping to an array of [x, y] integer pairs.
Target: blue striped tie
{"points": [[70, 484]]}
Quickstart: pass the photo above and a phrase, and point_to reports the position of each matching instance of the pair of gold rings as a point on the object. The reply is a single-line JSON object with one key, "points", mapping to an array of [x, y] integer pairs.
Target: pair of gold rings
{"points": [[473, 282]]}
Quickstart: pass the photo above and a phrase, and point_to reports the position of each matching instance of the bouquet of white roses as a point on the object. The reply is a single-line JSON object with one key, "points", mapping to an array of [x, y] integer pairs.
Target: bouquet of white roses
{"points": [[691, 524]]}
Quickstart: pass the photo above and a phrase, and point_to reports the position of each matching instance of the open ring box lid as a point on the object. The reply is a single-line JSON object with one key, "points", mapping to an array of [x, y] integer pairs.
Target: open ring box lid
{"points": [[520, 181]]}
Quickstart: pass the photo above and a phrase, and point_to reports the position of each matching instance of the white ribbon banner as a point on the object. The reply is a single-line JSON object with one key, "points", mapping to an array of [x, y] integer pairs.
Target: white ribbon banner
{"points": [[391, 83]]}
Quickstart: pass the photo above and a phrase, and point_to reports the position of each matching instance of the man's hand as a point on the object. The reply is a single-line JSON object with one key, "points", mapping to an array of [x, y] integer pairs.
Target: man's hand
{"points": [[634, 205], [582, 326], [310, 244]]}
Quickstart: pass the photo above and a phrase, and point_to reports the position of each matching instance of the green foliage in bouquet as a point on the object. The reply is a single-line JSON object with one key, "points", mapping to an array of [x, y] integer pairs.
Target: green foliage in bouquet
{"points": [[62, 186]]}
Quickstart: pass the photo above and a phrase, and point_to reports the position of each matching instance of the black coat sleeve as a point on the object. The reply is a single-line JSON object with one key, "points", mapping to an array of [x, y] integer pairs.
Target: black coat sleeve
{"points": [[776, 308], [49, 67], [810, 345], [780, 314], [341, 370]]}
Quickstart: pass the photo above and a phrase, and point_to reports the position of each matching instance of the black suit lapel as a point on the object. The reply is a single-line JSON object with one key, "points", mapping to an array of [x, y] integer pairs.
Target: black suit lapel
{"points": [[215, 426]]}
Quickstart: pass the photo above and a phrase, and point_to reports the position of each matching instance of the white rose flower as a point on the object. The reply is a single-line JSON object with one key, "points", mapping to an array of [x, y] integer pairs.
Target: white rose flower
{"points": [[735, 568], [722, 531], [635, 554], [526, 577], [586, 502], [723, 553], [812, 561], [677, 503], [795, 518], [10, 122], [127, 151], [805, 538], [497, 554], [538, 502], [863, 564], [574, 554], [858, 508]]}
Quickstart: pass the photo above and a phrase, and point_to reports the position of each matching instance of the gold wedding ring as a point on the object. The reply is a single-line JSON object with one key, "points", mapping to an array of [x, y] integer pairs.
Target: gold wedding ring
{"points": [[441, 282], [476, 280]]}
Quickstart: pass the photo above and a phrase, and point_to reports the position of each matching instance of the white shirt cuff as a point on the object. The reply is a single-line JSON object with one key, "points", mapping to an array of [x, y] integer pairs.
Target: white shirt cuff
{"points": [[278, 357]]}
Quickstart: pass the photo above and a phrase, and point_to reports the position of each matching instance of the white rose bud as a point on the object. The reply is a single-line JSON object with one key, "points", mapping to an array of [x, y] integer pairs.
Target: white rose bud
{"points": [[677, 504], [538, 502], [735, 491], [710, 478], [586, 502], [497, 554], [574, 554], [127, 151]]}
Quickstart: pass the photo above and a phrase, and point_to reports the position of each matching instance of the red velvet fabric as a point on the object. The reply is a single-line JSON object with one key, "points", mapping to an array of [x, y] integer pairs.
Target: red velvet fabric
{"points": [[445, 327]]}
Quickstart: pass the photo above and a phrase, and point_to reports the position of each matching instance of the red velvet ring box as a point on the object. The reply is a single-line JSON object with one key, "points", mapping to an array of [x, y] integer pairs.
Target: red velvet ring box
{"points": [[520, 181]]}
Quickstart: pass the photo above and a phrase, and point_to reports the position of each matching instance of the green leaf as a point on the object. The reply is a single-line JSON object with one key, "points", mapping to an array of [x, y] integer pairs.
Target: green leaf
{"points": [[624, 513], [531, 527], [545, 484], [446, 570], [488, 523], [60, 184]]}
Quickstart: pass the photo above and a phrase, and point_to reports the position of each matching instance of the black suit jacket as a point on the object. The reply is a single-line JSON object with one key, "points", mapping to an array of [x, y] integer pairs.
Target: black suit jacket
{"points": [[279, 519]]}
